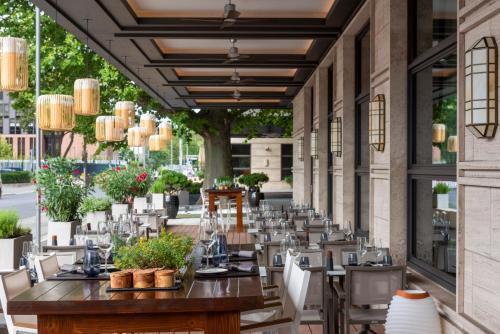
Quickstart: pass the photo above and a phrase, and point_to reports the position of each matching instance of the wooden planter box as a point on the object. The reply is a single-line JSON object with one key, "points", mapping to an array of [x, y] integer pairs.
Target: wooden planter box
{"points": [[11, 251]]}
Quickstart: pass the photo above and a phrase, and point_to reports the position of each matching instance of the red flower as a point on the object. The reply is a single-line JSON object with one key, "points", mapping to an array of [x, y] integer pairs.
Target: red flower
{"points": [[142, 177], [45, 166], [44, 209], [117, 169], [76, 172]]}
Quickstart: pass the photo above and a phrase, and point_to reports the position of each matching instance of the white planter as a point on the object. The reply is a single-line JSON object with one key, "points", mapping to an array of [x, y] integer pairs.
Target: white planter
{"points": [[119, 209], [443, 201], [11, 251], [140, 204], [63, 230], [158, 201], [93, 218]]}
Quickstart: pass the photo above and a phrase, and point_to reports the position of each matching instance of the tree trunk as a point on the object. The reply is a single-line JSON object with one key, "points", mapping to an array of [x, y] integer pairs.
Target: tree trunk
{"points": [[217, 146], [72, 137]]}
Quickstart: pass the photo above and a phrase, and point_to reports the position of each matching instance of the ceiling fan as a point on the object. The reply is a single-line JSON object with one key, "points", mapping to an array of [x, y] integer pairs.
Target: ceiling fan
{"points": [[235, 79], [233, 53], [236, 94]]}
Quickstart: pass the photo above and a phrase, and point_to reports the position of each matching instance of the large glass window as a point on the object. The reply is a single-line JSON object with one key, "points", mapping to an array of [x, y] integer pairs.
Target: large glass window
{"points": [[362, 168], [433, 145], [286, 160], [240, 159]]}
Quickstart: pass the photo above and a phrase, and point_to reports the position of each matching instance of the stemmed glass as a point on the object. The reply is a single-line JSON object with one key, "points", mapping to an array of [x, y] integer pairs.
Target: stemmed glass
{"points": [[377, 247], [104, 242], [362, 247]]}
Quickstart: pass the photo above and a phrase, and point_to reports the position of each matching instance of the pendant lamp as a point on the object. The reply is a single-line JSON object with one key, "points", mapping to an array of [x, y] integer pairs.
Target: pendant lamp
{"points": [[87, 96], [109, 129], [136, 137], [165, 130], [148, 122], [453, 144], [13, 64], [126, 110], [55, 112], [438, 133], [157, 143]]}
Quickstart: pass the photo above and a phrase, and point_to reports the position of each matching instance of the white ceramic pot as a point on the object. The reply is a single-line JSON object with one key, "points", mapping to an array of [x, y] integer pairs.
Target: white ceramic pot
{"points": [[63, 230], [158, 201], [140, 204], [93, 218], [412, 312], [11, 251], [119, 209], [443, 201]]}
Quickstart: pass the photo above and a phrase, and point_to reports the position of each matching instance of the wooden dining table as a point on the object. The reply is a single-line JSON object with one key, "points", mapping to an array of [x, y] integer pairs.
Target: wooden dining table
{"points": [[83, 306], [236, 193]]}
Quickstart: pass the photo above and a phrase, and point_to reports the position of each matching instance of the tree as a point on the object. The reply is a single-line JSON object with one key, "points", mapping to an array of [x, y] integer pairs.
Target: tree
{"points": [[5, 150]]}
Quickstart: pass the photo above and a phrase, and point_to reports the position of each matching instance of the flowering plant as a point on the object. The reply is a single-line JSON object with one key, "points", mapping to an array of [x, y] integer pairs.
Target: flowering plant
{"points": [[62, 191], [124, 183]]}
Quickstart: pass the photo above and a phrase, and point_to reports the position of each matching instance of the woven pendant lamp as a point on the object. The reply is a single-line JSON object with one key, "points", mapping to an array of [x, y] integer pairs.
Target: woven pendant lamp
{"points": [[148, 122], [55, 112], [157, 143], [126, 110], [438, 133], [87, 96], [165, 130], [109, 129], [136, 136], [13, 64]]}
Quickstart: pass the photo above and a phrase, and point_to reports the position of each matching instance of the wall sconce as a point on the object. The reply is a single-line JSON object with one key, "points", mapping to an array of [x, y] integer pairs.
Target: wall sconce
{"points": [[301, 148], [336, 136], [376, 123], [438, 133], [314, 144], [481, 88], [453, 144]]}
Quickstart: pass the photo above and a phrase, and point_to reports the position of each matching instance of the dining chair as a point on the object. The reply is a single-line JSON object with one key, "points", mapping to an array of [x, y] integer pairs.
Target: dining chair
{"points": [[46, 266], [366, 287], [289, 321], [12, 285]]}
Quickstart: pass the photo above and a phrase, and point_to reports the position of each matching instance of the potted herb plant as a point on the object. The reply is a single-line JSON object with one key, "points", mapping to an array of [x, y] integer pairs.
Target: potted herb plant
{"points": [[62, 194], [224, 182], [12, 237], [440, 198], [94, 210], [254, 182], [158, 195], [148, 257], [173, 183], [123, 184]]}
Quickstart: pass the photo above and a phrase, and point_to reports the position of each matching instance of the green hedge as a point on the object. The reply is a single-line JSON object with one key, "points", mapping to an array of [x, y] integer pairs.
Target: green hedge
{"points": [[16, 177]]}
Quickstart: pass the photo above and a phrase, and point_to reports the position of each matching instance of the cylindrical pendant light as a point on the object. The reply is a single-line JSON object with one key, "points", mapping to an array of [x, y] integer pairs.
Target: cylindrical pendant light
{"points": [[87, 96], [13, 64], [148, 122], [453, 144], [55, 112], [165, 130], [109, 129], [438, 133], [136, 136], [157, 143], [126, 110]]}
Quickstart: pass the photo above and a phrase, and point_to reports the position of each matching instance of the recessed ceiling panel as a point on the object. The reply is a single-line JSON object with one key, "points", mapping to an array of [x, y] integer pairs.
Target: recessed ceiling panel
{"points": [[237, 101], [241, 89], [247, 8], [226, 72], [245, 46]]}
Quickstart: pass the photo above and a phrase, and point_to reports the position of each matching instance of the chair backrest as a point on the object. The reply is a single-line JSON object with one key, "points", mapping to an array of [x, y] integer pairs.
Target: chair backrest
{"points": [[46, 266], [140, 204], [203, 196], [296, 293], [287, 270], [12, 285], [373, 285]]}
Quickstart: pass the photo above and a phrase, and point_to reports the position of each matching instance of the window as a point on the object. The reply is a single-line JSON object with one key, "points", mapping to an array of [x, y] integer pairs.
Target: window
{"points": [[432, 187], [362, 161], [21, 150], [286, 160], [240, 158], [14, 127]]}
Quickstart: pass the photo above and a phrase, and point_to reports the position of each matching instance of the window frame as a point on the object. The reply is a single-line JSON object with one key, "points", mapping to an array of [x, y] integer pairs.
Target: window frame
{"points": [[249, 156], [329, 134]]}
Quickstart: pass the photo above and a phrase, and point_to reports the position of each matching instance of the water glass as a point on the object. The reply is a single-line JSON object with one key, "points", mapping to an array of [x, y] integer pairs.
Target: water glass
{"points": [[91, 263], [104, 242]]}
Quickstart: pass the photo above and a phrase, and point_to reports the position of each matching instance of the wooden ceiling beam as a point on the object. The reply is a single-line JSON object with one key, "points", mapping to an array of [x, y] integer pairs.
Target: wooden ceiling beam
{"points": [[238, 64]]}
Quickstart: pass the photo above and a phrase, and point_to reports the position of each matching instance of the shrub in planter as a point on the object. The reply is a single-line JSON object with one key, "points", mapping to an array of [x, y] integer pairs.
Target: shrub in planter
{"points": [[254, 182], [440, 196], [173, 182], [289, 179], [158, 195], [94, 210], [16, 177], [12, 237], [194, 192], [62, 193]]}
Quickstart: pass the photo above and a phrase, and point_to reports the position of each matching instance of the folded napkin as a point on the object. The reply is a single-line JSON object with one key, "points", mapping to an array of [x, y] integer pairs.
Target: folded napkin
{"points": [[245, 267], [244, 253]]}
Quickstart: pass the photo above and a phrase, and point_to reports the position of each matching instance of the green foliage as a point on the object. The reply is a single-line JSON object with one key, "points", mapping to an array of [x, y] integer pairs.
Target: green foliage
{"points": [[200, 173], [8, 225], [224, 181], [444, 111], [289, 179], [5, 150], [123, 183], [21, 176], [194, 187], [441, 188], [62, 190], [168, 251], [254, 180], [158, 187], [93, 204], [252, 122], [173, 181]]}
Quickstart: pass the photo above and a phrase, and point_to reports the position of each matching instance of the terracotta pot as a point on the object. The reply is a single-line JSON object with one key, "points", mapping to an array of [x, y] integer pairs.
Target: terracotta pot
{"points": [[121, 279], [164, 278], [144, 278]]}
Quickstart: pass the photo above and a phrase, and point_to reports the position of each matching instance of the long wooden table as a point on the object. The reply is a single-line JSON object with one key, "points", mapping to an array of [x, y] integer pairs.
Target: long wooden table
{"points": [[210, 305], [237, 194]]}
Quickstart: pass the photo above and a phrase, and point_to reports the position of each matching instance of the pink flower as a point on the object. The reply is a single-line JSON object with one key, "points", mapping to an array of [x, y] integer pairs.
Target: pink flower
{"points": [[45, 166], [76, 172], [117, 169], [44, 209]]}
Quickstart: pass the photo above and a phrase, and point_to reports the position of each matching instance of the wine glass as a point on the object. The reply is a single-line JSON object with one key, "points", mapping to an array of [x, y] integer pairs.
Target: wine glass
{"points": [[377, 244], [104, 242]]}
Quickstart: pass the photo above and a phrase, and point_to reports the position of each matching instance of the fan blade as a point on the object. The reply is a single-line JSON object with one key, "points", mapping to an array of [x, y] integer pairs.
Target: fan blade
{"points": [[249, 80], [230, 60], [234, 14]]}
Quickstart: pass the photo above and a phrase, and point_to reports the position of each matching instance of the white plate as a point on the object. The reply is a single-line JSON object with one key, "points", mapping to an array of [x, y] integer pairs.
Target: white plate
{"points": [[211, 271]]}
